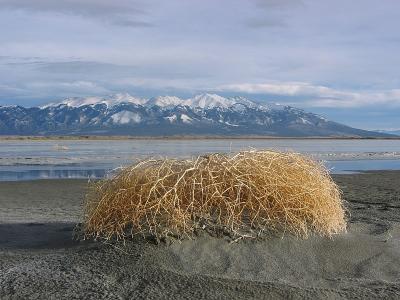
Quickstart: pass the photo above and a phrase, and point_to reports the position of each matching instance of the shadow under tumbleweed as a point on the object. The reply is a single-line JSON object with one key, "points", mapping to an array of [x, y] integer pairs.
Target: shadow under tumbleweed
{"points": [[52, 235]]}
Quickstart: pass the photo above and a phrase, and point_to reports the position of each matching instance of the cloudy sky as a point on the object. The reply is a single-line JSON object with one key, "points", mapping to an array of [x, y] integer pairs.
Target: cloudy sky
{"points": [[338, 58]]}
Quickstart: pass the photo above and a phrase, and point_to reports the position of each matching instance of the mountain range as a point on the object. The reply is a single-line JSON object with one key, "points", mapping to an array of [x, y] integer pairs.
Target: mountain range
{"points": [[204, 114], [390, 131]]}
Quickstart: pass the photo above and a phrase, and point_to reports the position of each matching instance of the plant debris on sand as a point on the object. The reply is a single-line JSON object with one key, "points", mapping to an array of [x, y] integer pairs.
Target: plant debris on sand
{"points": [[245, 195]]}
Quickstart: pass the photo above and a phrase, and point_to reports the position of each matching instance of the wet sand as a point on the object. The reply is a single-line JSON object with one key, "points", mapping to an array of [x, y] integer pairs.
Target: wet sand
{"points": [[39, 259]]}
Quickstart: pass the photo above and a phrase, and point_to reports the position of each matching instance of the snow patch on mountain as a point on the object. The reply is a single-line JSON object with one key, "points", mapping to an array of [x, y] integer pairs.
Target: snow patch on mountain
{"points": [[275, 106], [304, 121], [186, 118], [78, 102], [229, 124], [125, 117], [171, 119], [109, 101], [125, 97], [209, 101], [164, 101]]}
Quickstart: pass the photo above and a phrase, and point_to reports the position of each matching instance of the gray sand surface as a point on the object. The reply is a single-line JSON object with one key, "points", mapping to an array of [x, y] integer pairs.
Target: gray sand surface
{"points": [[39, 259]]}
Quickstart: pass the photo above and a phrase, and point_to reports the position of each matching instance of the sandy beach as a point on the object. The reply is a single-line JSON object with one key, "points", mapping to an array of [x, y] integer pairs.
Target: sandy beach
{"points": [[40, 260]]}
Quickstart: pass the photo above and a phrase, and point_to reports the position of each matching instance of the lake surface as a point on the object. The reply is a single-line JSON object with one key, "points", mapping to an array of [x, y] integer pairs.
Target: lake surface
{"points": [[25, 160]]}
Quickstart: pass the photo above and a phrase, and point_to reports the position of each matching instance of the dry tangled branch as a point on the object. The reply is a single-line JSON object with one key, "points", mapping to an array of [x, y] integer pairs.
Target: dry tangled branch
{"points": [[245, 195]]}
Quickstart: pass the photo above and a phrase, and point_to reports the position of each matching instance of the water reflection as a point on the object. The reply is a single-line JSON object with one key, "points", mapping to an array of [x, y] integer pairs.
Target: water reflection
{"points": [[352, 166], [26, 160], [51, 174], [17, 173]]}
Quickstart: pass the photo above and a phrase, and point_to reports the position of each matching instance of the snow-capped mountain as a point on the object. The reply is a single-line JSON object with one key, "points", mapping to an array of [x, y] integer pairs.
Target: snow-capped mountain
{"points": [[109, 101], [202, 101], [164, 101], [208, 101], [205, 114]]}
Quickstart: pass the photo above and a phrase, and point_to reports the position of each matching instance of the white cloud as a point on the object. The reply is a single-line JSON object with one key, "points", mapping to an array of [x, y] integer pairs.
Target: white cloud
{"points": [[9, 90], [120, 12], [66, 89], [286, 89], [317, 95]]}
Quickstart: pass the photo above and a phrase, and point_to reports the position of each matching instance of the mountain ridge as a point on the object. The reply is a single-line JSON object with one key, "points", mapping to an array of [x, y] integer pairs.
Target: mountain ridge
{"points": [[203, 114], [395, 132]]}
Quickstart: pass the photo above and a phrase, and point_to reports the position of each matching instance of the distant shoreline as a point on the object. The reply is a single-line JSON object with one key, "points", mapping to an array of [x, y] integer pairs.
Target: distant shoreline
{"points": [[188, 137]]}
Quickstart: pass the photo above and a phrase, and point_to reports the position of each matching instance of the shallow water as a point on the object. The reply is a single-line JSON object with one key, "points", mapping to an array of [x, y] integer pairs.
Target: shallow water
{"points": [[355, 166], [25, 160], [50, 172], [123, 148]]}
